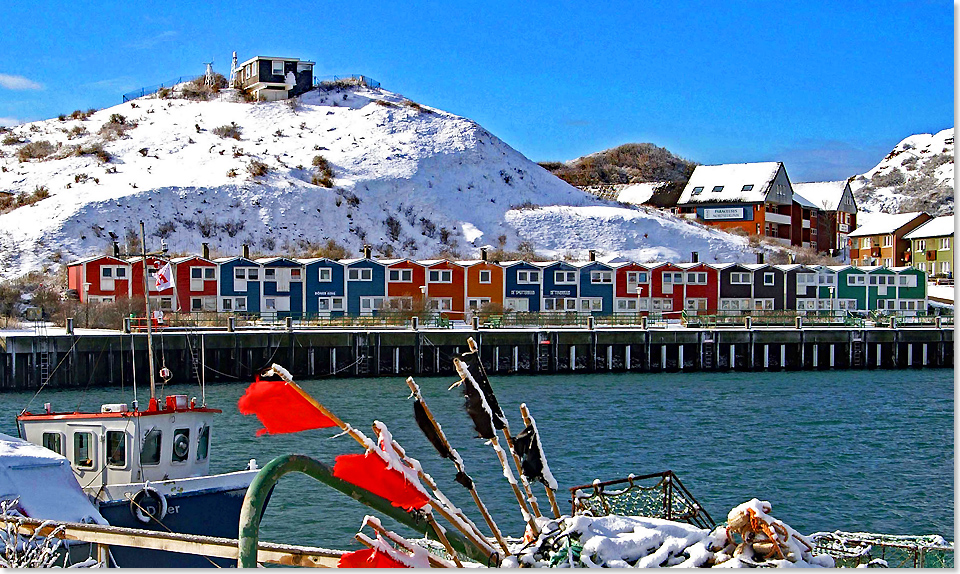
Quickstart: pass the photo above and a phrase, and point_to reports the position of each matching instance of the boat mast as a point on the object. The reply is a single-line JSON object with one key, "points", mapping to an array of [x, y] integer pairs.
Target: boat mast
{"points": [[146, 299]]}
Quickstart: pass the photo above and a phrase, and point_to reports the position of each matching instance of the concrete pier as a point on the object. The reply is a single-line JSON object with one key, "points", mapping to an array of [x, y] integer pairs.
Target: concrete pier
{"points": [[107, 358]]}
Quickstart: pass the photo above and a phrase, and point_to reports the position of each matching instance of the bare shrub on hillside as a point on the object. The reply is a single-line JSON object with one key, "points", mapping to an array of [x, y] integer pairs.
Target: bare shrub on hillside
{"points": [[329, 249], [257, 168], [116, 127], [35, 150], [231, 130], [76, 132], [416, 107], [11, 139], [393, 228], [197, 89], [324, 174], [385, 104]]}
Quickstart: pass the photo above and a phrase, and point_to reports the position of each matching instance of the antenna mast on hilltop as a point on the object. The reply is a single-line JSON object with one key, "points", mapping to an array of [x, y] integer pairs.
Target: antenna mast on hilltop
{"points": [[233, 71], [208, 76]]}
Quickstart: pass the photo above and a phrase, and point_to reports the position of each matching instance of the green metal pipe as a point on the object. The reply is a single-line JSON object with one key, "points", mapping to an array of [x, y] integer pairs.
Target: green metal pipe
{"points": [[253, 503]]}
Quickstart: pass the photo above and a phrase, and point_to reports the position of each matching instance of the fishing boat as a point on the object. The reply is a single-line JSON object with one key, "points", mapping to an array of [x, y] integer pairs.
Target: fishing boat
{"points": [[148, 468]]}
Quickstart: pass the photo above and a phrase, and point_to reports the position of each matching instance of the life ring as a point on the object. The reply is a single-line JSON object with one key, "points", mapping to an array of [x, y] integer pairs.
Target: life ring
{"points": [[166, 374], [148, 504]]}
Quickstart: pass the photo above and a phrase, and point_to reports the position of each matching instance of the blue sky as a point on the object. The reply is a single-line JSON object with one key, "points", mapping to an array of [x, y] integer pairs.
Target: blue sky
{"points": [[826, 87]]}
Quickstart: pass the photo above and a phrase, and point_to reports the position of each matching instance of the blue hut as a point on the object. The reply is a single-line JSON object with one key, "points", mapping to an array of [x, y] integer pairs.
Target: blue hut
{"points": [[239, 285], [366, 282], [324, 287], [597, 280], [561, 282], [521, 282], [282, 294]]}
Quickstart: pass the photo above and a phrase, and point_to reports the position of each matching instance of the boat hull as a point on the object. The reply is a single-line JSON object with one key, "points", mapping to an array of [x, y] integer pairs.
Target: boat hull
{"points": [[208, 506]]}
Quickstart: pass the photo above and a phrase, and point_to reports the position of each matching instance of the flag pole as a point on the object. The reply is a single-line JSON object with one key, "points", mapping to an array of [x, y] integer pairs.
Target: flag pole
{"points": [[458, 463], [502, 456], [463, 525], [528, 420], [374, 524], [508, 437]]}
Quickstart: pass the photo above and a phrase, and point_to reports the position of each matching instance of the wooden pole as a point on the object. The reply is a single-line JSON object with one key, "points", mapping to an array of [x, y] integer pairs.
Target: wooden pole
{"points": [[508, 438], [460, 522], [528, 420], [458, 463], [502, 456], [372, 522]]}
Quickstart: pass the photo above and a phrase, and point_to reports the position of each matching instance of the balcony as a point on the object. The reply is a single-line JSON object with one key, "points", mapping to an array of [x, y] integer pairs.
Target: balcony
{"points": [[777, 218], [931, 254], [875, 251]]}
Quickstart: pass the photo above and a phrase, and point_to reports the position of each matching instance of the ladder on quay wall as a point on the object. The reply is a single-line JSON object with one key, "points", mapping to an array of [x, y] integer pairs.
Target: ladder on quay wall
{"points": [[856, 354], [708, 355], [193, 347]]}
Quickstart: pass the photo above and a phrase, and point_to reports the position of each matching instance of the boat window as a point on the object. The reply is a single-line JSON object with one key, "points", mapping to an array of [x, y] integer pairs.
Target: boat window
{"points": [[181, 445], [53, 441], [203, 442], [83, 449], [116, 448], [150, 453]]}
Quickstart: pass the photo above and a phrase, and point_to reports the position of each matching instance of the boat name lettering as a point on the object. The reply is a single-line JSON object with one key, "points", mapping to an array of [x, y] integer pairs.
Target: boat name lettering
{"points": [[173, 509]]}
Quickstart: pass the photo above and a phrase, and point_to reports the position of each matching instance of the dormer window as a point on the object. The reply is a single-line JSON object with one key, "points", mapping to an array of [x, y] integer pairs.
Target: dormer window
{"points": [[697, 190], [748, 187], [717, 189]]}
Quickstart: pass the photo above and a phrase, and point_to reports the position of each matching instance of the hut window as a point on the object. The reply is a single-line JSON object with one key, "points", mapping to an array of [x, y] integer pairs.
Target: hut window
{"points": [[116, 448], [485, 276], [203, 442], [769, 279], [150, 452], [83, 449], [181, 445], [338, 303], [53, 441], [209, 273], [325, 276]]}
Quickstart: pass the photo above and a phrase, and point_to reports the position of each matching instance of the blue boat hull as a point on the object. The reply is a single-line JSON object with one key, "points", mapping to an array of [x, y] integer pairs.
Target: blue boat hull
{"points": [[206, 512]]}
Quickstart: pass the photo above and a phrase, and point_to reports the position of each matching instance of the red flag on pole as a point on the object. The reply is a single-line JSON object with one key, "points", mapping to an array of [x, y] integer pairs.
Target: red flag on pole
{"points": [[281, 407], [370, 471], [369, 558]]}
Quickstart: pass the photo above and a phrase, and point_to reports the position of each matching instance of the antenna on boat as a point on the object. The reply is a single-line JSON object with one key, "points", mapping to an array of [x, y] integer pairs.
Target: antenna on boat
{"points": [[146, 299]]}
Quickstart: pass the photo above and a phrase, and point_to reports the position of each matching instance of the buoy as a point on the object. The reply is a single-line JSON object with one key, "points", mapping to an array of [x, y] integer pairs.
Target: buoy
{"points": [[148, 504]]}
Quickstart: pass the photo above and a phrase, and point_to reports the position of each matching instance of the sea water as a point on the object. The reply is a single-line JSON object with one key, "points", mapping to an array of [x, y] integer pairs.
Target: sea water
{"points": [[831, 450]]}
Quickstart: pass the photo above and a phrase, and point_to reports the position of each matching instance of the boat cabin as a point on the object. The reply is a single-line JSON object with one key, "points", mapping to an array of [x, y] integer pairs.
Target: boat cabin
{"points": [[120, 445]]}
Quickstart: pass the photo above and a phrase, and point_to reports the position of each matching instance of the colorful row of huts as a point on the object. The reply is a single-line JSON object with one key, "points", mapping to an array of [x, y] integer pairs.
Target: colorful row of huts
{"points": [[280, 286]]}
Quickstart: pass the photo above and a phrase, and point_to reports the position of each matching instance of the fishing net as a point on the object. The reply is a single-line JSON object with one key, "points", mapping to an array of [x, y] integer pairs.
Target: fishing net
{"points": [[659, 495], [858, 549]]}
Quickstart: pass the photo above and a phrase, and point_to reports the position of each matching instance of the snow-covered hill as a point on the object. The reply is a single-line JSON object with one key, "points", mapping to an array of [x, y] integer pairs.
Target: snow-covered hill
{"points": [[916, 176], [407, 179]]}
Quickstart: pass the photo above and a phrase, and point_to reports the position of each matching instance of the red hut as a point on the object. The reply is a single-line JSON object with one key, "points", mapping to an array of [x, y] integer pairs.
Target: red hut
{"points": [[632, 293], [446, 287], [195, 280], [701, 288], [404, 280], [99, 279]]}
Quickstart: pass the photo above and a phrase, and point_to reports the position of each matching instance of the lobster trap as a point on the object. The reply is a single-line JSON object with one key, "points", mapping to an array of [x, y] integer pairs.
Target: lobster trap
{"points": [[861, 549], [658, 495]]}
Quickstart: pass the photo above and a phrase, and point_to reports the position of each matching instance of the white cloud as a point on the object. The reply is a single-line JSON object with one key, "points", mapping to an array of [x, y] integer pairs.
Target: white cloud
{"points": [[7, 122], [18, 83]]}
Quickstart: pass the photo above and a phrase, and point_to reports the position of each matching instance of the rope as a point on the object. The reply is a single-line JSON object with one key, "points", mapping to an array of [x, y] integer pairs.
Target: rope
{"points": [[50, 376]]}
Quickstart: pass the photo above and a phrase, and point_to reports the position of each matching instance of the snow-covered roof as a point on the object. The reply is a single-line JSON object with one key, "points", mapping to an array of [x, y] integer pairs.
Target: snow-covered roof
{"points": [[94, 258], [638, 193], [884, 223], [824, 195], [255, 58], [221, 260], [936, 227], [804, 202], [741, 182], [185, 258]]}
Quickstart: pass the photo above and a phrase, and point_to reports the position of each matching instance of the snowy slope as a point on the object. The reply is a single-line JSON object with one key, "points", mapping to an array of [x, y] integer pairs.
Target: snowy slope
{"points": [[409, 180], [916, 176]]}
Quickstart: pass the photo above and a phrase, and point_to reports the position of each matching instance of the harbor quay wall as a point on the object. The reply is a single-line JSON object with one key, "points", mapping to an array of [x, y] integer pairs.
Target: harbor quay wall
{"points": [[107, 358]]}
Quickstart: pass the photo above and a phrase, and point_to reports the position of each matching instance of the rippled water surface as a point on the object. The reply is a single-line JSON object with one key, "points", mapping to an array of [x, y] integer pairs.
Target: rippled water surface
{"points": [[858, 450]]}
